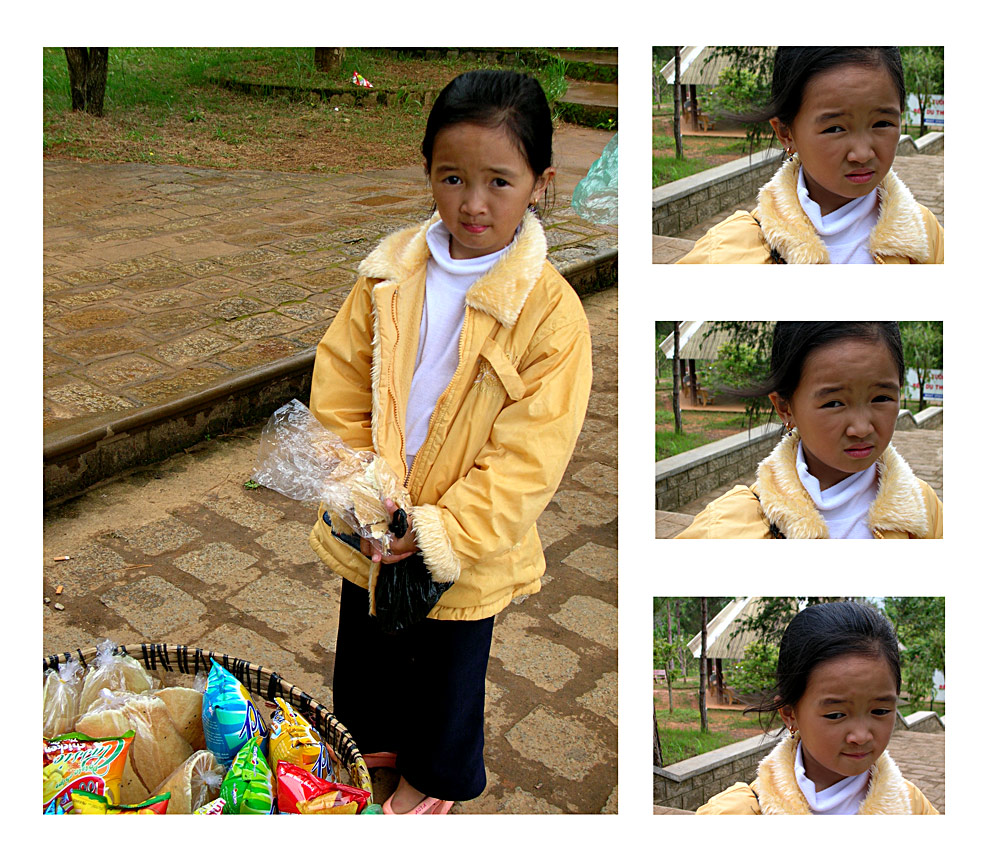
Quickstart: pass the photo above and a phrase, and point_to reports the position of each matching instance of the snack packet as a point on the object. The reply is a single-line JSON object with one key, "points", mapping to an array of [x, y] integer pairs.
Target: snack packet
{"points": [[301, 459], [117, 672], [301, 792], [195, 783], [91, 803], [77, 761], [229, 717], [106, 719], [61, 698], [218, 806], [248, 787], [294, 740]]}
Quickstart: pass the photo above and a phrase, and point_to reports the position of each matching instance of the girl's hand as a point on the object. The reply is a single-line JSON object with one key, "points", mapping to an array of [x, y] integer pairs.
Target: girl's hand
{"points": [[398, 548]]}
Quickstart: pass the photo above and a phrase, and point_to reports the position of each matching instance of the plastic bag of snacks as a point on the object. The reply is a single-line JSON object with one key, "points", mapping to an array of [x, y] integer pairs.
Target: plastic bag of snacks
{"points": [[301, 459], [184, 705], [61, 698], [116, 672], [301, 792], [293, 740], [106, 719], [77, 761], [229, 717], [215, 807], [194, 783], [91, 803], [248, 787]]}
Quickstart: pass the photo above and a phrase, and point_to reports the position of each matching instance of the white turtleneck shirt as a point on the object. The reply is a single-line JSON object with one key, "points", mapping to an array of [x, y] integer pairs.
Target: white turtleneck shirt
{"points": [[845, 232]]}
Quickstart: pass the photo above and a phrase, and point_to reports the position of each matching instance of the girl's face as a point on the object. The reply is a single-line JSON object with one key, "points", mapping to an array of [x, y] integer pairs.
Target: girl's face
{"points": [[845, 717], [845, 407], [845, 133], [482, 186]]}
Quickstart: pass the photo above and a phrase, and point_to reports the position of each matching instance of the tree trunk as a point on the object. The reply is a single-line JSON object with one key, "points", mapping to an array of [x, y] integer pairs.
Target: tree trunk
{"points": [[678, 140], [329, 59], [694, 106], [678, 424], [88, 76], [670, 680], [694, 384], [703, 668], [657, 749]]}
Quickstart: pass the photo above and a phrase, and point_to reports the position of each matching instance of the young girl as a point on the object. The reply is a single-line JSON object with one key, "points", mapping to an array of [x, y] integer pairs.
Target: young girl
{"points": [[463, 359], [834, 474], [836, 112], [838, 681]]}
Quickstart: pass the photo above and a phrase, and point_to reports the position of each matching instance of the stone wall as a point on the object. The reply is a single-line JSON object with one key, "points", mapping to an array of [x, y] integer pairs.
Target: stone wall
{"points": [[686, 477], [682, 204], [929, 417], [931, 143], [692, 782]]}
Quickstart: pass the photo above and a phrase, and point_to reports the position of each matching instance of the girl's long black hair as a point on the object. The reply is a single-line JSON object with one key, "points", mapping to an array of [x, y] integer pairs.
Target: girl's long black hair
{"points": [[820, 633]]}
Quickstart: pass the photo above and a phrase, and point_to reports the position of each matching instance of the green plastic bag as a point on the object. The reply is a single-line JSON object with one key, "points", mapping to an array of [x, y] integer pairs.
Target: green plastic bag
{"points": [[596, 196]]}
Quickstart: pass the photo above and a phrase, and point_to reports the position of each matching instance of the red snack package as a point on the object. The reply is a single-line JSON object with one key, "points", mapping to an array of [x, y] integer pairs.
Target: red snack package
{"points": [[297, 785]]}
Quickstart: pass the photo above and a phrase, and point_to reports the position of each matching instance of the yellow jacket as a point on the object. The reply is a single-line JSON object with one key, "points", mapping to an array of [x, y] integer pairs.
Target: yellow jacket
{"points": [[775, 791], [501, 434], [906, 232], [905, 507]]}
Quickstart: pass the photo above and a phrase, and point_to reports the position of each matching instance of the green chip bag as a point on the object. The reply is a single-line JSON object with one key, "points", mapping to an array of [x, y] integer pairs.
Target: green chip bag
{"points": [[248, 787]]}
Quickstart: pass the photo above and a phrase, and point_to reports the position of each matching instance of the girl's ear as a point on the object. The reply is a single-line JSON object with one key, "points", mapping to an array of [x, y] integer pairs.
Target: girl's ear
{"points": [[541, 182], [781, 407], [783, 133], [788, 717]]}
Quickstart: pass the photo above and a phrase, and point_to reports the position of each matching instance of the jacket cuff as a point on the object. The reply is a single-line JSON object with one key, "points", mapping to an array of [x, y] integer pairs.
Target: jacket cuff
{"points": [[432, 539]]}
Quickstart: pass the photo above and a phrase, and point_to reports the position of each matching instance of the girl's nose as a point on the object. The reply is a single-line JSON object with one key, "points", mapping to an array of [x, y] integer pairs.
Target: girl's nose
{"points": [[859, 735], [861, 150], [473, 202], [860, 425]]}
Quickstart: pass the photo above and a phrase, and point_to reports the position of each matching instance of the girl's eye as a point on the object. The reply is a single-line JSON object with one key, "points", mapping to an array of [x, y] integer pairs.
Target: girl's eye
{"points": [[832, 404], [883, 398], [834, 129], [835, 715], [501, 182], [451, 179], [881, 712], [885, 124]]}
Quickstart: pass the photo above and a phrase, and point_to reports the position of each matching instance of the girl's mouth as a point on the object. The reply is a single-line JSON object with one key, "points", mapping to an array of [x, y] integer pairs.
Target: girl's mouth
{"points": [[474, 228], [862, 450], [857, 756], [860, 177]]}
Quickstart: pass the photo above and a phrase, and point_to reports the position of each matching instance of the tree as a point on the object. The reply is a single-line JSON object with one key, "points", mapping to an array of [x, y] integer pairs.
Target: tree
{"points": [[920, 626], [657, 83], [88, 76], [923, 74], [755, 674], [923, 350], [746, 89], [743, 361], [703, 667], [329, 59], [678, 140], [678, 424]]}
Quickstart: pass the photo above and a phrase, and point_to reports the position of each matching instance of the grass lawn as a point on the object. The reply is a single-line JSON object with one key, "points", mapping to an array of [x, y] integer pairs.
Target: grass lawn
{"points": [[700, 427], [680, 731], [163, 105]]}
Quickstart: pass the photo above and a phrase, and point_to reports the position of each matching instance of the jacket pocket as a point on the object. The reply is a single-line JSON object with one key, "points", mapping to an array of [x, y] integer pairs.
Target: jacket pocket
{"points": [[506, 372]]}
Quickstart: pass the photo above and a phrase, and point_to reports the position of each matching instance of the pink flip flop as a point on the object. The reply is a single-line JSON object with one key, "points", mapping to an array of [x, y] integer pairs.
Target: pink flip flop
{"points": [[382, 759], [430, 805]]}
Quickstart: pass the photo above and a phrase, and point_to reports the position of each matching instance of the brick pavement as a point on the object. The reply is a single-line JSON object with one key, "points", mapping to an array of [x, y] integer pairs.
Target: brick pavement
{"points": [[160, 281], [920, 757], [181, 552]]}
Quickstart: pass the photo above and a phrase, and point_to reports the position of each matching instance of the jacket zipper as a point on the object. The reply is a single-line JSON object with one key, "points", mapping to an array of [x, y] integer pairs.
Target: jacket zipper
{"points": [[395, 409]]}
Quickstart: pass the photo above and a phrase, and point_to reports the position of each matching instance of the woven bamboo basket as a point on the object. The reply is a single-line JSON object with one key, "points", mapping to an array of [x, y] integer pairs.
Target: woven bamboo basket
{"points": [[173, 663]]}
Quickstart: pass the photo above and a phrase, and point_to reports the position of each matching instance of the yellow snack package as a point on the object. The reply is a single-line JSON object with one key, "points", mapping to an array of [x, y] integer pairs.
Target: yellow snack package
{"points": [[293, 740], [78, 762]]}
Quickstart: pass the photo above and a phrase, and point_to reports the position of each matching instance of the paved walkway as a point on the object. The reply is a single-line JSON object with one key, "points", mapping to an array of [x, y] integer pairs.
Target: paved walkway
{"points": [[164, 280], [180, 552], [920, 757]]}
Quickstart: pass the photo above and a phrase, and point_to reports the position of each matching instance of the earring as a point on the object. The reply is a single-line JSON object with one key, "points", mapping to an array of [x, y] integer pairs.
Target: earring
{"points": [[789, 426]]}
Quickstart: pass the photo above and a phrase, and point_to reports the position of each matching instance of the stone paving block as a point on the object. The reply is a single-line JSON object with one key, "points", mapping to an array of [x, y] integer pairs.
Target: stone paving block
{"points": [[235, 307], [92, 566], [547, 664], [554, 526], [169, 323], [586, 509], [164, 535], [597, 561], [278, 293], [167, 389], [264, 325], [109, 342], [157, 609], [84, 399], [603, 699], [245, 511], [200, 346], [283, 604], [290, 541], [219, 563], [259, 352], [562, 744], [591, 618], [598, 476]]}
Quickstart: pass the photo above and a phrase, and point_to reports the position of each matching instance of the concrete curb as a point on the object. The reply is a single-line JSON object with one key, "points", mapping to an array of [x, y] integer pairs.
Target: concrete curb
{"points": [[76, 460]]}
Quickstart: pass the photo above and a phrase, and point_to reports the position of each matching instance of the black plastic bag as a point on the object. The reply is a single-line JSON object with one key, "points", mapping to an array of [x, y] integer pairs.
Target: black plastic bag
{"points": [[404, 593]]}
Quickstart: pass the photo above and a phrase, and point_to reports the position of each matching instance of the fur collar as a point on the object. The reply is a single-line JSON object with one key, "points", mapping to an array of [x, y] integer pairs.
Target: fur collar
{"points": [[779, 793], [900, 229], [898, 506], [501, 292]]}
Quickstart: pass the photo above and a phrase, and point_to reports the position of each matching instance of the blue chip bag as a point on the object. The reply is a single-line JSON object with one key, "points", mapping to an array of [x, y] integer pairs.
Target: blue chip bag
{"points": [[228, 715]]}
